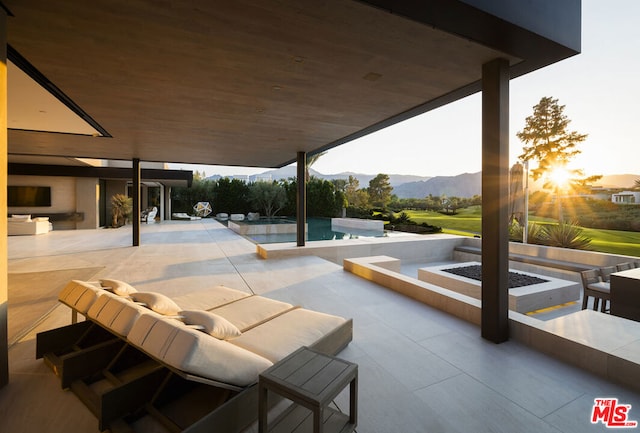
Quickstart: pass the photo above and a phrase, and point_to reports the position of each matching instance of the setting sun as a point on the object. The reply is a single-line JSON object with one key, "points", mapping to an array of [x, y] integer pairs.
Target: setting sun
{"points": [[560, 176]]}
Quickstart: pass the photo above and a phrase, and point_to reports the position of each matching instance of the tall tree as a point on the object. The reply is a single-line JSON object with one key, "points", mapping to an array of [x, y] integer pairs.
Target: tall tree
{"points": [[312, 159], [230, 196], [269, 197], [351, 190], [380, 191], [549, 142]]}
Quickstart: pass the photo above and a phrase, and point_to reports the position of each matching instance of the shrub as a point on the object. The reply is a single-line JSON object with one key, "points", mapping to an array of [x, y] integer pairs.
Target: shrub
{"points": [[121, 208], [269, 197], [535, 233], [403, 218], [565, 235], [358, 212], [423, 228]]}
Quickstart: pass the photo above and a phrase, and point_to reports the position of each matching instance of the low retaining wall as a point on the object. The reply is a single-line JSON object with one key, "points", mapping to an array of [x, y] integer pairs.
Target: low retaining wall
{"points": [[262, 229], [357, 223], [540, 253], [605, 345], [385, 270], [410, 248]]}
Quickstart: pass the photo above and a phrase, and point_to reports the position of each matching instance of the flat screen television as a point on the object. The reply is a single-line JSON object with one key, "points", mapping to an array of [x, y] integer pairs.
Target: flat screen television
{"points": [[28, 196]]}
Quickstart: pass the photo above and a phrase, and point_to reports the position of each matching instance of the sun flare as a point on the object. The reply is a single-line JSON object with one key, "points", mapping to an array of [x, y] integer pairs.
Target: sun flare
{"points": [[560, 177]]}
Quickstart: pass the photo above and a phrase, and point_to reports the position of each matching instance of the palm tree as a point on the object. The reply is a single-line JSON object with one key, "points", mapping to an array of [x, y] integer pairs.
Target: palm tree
{"points": [[311, 159], [121, 207]]}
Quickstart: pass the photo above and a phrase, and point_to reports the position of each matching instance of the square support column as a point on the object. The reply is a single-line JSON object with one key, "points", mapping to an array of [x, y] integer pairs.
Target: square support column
{"points": [[135, 190], [4, 289], [495, 200], [301, 219]]}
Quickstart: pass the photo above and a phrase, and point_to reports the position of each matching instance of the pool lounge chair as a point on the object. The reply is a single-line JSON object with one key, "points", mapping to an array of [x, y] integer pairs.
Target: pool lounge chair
{"points": [[149, 215], [144, 362], [184, 216]]}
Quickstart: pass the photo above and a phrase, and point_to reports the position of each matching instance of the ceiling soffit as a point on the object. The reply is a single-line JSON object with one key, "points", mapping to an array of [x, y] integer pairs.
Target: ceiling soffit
{"points": [[235, 83]]}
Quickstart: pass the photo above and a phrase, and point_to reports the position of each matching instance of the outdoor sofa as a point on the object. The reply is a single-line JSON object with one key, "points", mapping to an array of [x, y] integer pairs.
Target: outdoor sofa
{"points": [[26, 225], [191, 362]]}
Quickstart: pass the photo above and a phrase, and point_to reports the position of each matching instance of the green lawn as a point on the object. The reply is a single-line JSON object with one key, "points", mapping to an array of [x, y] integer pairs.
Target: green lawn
{"points": [[468, 223], [614, 241]]}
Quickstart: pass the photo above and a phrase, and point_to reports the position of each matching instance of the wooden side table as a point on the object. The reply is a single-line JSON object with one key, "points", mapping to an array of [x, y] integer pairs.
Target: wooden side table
{"points": [[311, 380]]}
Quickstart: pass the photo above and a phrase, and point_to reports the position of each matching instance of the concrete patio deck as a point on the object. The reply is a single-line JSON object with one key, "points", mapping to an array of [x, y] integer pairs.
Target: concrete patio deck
{"points": [[421, 370]]}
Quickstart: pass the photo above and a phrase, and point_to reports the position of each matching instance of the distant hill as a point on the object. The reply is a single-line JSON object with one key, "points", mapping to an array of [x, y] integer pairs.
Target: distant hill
{"points": [[394, 179], [411, 186], [618, 180], [462, 185], [290, 172]]}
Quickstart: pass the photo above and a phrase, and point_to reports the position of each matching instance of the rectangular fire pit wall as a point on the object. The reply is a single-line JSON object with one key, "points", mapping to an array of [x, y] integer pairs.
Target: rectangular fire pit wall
{"points": [[551, 292]]}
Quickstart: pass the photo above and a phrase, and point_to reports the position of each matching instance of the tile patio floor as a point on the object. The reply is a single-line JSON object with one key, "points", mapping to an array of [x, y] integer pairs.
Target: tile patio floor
{"points": [[420, 370]]}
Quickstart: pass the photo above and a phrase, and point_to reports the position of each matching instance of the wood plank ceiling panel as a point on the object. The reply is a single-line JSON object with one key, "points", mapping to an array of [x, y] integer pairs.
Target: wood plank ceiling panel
{"points": [[243, 82]]}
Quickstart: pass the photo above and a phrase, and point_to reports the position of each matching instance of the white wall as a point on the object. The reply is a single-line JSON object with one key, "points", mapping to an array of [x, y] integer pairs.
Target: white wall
{"points": [[63, 196], [87, 202], [624, 195]]}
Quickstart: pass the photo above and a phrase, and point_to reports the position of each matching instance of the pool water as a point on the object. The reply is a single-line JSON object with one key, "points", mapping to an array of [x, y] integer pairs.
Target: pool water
{"points": [[318, 229]]}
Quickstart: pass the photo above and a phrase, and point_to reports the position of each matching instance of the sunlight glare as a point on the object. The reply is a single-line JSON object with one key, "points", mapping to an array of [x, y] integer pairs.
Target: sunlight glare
{"points": [[560, 176]]}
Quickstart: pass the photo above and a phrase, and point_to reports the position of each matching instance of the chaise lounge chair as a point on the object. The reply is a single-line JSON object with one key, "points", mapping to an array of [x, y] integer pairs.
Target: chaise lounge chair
{"points": [[140, 354], [184, 216]]}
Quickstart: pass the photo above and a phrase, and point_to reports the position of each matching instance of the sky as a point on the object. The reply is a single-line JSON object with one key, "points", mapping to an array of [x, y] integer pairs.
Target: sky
{"points": [[599, 88]]}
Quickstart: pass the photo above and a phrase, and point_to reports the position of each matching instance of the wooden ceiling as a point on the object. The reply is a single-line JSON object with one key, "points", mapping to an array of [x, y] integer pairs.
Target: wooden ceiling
{"points": [[252, 82]]}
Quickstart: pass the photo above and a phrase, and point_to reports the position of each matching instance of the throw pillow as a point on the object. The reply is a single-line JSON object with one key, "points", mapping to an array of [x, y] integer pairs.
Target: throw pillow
{"points": [[158, 302], [118, 287], [213, 324]]}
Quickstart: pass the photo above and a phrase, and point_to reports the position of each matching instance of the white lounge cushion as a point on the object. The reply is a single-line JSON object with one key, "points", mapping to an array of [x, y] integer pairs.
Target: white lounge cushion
{"points": [[195, 352], [118, 287], [79, 295], [252, 310], [213, 324], [288, 332], [116, 313], [207, 299], [157, 302], [19, 217]]}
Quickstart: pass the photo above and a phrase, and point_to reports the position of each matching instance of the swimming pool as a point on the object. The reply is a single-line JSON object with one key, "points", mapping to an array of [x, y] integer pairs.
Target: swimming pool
{"points": [[318, 229]]}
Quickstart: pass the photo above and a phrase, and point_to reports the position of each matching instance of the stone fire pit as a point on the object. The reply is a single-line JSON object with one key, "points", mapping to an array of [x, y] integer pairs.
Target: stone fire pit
{"points": [[543, 292]]}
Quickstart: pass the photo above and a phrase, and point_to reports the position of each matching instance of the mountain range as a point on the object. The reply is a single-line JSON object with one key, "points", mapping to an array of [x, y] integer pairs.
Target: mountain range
{"points": [[413, 186]]}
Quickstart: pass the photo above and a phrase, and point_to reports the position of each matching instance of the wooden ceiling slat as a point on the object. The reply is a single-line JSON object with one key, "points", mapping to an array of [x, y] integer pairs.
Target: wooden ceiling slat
{"points": [[272, 77]]}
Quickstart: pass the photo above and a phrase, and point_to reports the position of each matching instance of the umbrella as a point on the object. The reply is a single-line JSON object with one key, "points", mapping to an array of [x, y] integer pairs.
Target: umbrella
{"points": [[516, 194], [202, 208]]}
